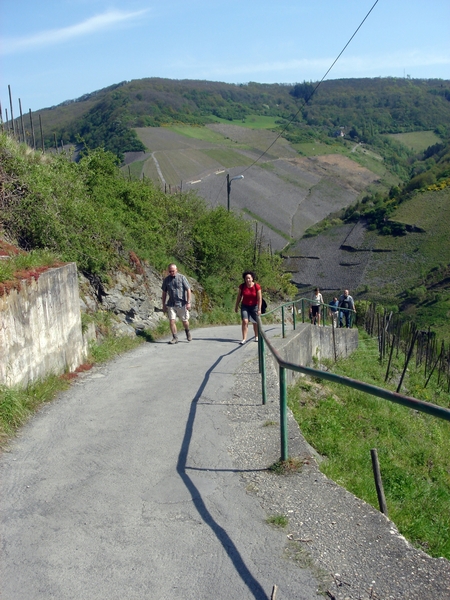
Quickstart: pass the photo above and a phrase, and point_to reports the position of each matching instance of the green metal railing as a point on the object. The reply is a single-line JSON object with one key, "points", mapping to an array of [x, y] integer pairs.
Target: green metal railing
{"points": [[263, 342], [299, 306]]}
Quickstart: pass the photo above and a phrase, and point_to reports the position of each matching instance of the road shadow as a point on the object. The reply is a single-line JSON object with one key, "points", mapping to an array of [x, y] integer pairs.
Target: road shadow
{"points": [[228, 545]]}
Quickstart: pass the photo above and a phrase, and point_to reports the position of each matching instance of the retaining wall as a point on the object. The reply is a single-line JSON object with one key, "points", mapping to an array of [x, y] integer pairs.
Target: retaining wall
{"points": [[40, 328], [307, 342]]}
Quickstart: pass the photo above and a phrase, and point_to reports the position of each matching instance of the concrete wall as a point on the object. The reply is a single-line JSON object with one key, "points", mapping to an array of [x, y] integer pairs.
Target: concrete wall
{"points": [[40, 332], [40, 328], [301, 345]]}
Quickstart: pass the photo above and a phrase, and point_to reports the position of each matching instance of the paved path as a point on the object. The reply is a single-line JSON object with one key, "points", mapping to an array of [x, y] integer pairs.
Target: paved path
{"points": [[148, 480], [124, 489]]}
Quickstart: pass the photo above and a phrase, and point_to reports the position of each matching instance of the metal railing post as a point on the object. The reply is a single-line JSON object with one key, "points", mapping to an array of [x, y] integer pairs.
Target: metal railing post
{"points": [[283, 414], [282, 321], [293, 314], [303, 311], [262, 353], [259, 348]]}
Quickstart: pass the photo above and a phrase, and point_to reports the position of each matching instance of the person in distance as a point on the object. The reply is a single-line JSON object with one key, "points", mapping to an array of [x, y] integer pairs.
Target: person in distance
{"points": [[176, 301], [250, 294]]}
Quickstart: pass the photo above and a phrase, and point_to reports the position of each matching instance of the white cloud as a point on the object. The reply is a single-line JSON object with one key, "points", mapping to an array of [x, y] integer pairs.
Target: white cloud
{"points": [[58, 36], [353, 66]]}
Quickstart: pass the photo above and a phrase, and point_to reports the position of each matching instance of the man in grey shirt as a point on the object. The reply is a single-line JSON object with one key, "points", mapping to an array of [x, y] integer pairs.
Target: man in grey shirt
{"points": [[346, 302], [176, 300]]}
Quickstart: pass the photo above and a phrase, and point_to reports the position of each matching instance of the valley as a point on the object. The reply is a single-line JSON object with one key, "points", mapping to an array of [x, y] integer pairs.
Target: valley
{"points": [[284, 192]]}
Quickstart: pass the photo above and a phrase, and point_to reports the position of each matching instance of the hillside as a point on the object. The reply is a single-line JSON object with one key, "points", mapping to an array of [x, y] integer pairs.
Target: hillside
{"points": [[356, 152], [392, 249], [189, 134], [364, 108], [87, 212], [284, 192]]}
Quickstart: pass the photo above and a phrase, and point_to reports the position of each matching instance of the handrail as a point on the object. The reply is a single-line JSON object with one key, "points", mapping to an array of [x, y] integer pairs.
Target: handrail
{"points": [[414, 403], [301, 301]]}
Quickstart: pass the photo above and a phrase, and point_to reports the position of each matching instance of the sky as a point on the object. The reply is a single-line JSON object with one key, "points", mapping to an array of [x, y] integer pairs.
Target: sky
{"points": [[58, 50]]}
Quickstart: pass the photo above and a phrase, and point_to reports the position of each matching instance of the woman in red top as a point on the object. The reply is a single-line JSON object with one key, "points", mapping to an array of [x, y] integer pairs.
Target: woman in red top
{"points": [[250, 294]]}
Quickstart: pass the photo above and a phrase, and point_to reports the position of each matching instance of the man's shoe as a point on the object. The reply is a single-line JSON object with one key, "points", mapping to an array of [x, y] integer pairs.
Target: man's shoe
{"points": [[174, 340], [188, 335]]}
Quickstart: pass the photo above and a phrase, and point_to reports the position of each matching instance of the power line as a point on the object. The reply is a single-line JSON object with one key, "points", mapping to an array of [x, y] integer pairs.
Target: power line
{"points": [[305, 101]]}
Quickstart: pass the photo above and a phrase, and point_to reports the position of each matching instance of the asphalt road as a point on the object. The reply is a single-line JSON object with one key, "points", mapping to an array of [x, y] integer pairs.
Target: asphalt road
{"points": [[123, 488]]}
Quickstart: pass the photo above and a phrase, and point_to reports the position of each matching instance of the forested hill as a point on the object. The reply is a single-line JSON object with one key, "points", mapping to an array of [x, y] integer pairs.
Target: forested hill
{"points": [[364, 108]]}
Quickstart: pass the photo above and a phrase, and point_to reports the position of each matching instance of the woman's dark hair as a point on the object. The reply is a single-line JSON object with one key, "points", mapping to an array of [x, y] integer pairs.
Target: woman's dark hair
{"points": [[249, 273]]}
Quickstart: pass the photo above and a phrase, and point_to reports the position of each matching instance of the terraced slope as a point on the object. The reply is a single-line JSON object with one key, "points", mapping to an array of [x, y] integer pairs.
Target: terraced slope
{"points": [[284, 192], [352, 257]]}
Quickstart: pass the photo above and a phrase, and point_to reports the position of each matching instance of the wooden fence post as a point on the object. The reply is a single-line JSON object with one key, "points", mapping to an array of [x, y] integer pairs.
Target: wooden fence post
{"points": [[378, 481]]}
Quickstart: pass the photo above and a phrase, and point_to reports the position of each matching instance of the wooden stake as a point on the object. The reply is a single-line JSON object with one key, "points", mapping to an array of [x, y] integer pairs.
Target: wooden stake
{"points": [[32, 130], [12, 114], [42, 135], [22, 123], [378, 481]]}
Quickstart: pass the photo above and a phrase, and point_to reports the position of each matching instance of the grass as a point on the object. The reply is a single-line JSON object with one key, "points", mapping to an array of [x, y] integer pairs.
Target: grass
{"points": [[171, 174], [184, 164], [18, 405], [199, 133], [433, 312], [150, 171], [417, 140], [278, 520], [112, 346], [219, 316], [286, 467], [14, 268], [374, 163], [134, 169], [413, 255], [252, 122], [343, 425]]}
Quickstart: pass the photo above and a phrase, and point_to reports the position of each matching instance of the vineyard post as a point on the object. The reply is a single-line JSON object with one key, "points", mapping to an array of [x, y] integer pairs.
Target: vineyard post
{"points": [[12, 114], [32, 130], [21, 122], [42, 135]]}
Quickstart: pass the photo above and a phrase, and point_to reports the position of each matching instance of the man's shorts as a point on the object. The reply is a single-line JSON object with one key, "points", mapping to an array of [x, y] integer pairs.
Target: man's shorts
{"points": [[249, 313], [178, 311]]}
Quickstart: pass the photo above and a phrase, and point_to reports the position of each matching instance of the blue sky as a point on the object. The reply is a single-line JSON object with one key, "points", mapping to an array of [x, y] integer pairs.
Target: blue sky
{"points": [[58, 50]]}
